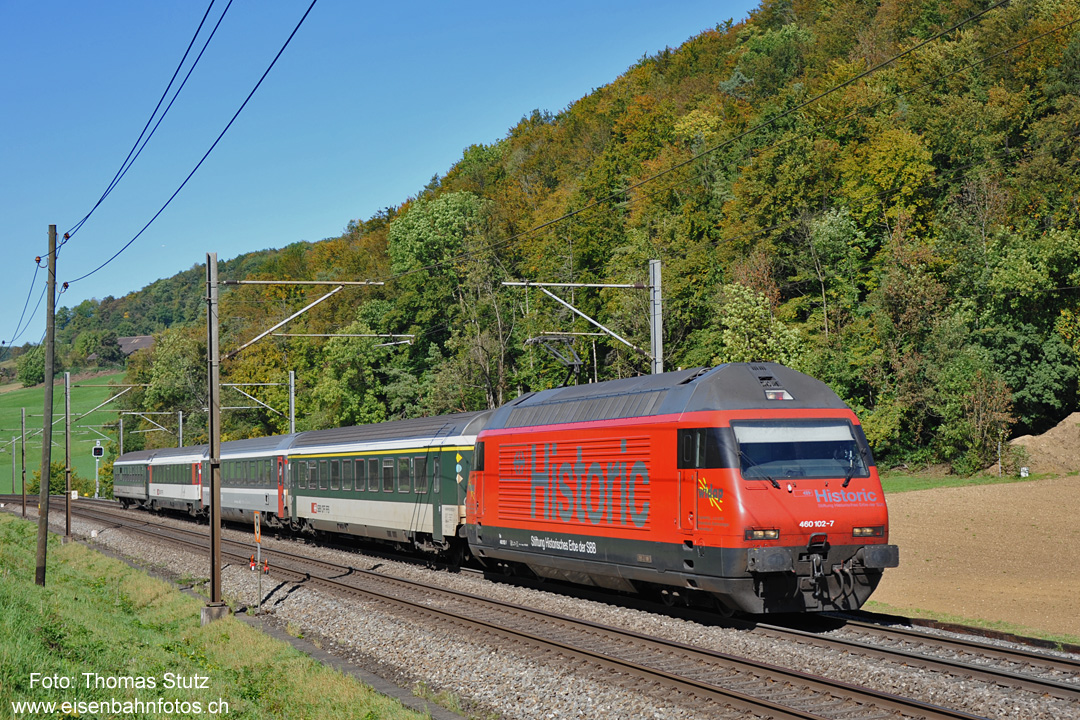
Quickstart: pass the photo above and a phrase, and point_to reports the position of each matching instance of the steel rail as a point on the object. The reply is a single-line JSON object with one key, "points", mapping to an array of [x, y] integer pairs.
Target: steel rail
{"points": [[912, 658], [832, 691]]}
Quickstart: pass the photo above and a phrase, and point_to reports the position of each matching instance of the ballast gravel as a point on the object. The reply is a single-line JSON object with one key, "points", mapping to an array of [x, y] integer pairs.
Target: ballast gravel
{"points": [[493, 682]]}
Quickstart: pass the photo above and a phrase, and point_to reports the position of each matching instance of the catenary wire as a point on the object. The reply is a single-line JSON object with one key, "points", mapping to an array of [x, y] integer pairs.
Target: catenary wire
{"points": [[205, 155]]}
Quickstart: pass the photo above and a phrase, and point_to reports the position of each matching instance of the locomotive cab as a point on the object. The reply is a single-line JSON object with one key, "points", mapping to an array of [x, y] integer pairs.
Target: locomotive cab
{"points": [[805, 523]]}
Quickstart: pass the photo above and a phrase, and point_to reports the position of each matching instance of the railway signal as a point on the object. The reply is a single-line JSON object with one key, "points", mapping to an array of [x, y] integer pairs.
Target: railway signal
{"points": [[98, 452]]}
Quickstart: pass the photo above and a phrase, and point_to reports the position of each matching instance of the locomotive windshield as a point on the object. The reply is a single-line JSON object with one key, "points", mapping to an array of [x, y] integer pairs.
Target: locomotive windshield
{"points": [[771, 449]]}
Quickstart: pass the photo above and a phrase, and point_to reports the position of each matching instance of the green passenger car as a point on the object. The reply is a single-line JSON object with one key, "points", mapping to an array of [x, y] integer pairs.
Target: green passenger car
{"points": [[402, 482]]}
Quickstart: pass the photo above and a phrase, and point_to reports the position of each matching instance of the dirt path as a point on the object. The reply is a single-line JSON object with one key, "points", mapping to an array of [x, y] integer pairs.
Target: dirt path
{"points": [[994, 552]]}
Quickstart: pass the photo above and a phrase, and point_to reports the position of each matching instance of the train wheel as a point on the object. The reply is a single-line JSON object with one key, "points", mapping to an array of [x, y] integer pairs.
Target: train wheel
{"points": [[455, 554], [721, 608]]}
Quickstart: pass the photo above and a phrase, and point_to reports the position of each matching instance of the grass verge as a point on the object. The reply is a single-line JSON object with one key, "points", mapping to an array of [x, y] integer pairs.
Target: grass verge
{"points": [[893, 482], [104, 634], [1004, 627]]}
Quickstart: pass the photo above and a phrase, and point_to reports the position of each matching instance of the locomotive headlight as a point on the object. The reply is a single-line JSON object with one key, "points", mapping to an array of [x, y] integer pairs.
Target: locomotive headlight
{"points": [[762, 534], [872, 531]]}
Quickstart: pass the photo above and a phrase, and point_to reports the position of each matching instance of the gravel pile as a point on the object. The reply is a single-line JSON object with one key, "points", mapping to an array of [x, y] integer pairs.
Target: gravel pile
{"points": [[493, 682]]}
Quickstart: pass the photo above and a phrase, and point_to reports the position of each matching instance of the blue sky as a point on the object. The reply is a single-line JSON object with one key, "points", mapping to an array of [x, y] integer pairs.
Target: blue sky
{"points": [[364, 106]]}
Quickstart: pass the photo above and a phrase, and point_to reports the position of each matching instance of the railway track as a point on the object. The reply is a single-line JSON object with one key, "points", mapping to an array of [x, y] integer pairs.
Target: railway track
{"points": [[704, 678]]}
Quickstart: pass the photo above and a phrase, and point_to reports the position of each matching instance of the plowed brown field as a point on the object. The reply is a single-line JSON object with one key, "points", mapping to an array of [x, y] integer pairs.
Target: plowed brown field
{"points": [[1005, 553]]}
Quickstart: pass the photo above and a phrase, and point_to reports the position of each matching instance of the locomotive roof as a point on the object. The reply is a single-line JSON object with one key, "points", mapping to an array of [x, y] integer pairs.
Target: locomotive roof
{"points": [[726, 387], [447, 426]]}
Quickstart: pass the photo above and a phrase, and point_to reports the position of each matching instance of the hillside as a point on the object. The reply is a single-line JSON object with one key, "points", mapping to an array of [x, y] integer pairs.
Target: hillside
{"points": [[889, 208], [86, 394]]}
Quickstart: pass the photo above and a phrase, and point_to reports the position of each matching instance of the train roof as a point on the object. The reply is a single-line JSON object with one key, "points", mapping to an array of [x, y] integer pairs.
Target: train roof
{"points": [[257, 446], [192, 453], [135, 456], [442, 426], [453, 428], [733, 386]]}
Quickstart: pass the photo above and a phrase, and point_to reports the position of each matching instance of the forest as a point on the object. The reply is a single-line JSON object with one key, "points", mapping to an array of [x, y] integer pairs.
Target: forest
{"points": [[881, 194]]}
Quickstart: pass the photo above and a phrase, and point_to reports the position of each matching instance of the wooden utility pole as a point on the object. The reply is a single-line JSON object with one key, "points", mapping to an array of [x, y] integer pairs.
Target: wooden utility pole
{"points": [[22, 449], [67, 455], [214, 609], [46, 436]]}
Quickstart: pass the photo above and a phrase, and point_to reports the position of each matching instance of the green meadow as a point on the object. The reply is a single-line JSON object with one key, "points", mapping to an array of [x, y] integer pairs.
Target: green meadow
{"points": [[111, 642], [84, 432]]}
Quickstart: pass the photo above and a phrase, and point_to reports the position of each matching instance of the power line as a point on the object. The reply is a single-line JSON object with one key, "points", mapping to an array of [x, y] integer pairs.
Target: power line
{"points": [[19, 329], [25, 327], [132, 155], [205, 155], [136, 149]]}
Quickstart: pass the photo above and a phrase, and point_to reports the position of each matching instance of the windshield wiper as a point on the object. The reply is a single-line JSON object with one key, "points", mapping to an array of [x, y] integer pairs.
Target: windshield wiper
{"points": [[849, 475], [751, 464]]}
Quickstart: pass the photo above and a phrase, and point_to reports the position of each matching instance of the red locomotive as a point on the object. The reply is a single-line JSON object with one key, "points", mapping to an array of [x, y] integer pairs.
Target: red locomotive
{"points": [[750, 486]]}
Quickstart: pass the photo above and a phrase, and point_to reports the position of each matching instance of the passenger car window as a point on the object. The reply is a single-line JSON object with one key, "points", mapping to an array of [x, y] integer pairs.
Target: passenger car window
{"points": [[388, 475], [346, 474], [373, 475], [420, 473]]}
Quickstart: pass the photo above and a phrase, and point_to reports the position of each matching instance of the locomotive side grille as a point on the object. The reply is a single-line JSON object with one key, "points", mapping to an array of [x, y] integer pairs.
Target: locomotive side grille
{"points": [[587, 410]]}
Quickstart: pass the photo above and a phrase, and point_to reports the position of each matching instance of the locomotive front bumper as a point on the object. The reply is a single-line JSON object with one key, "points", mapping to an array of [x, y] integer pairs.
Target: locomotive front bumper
{"points": [[783, 559]]}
